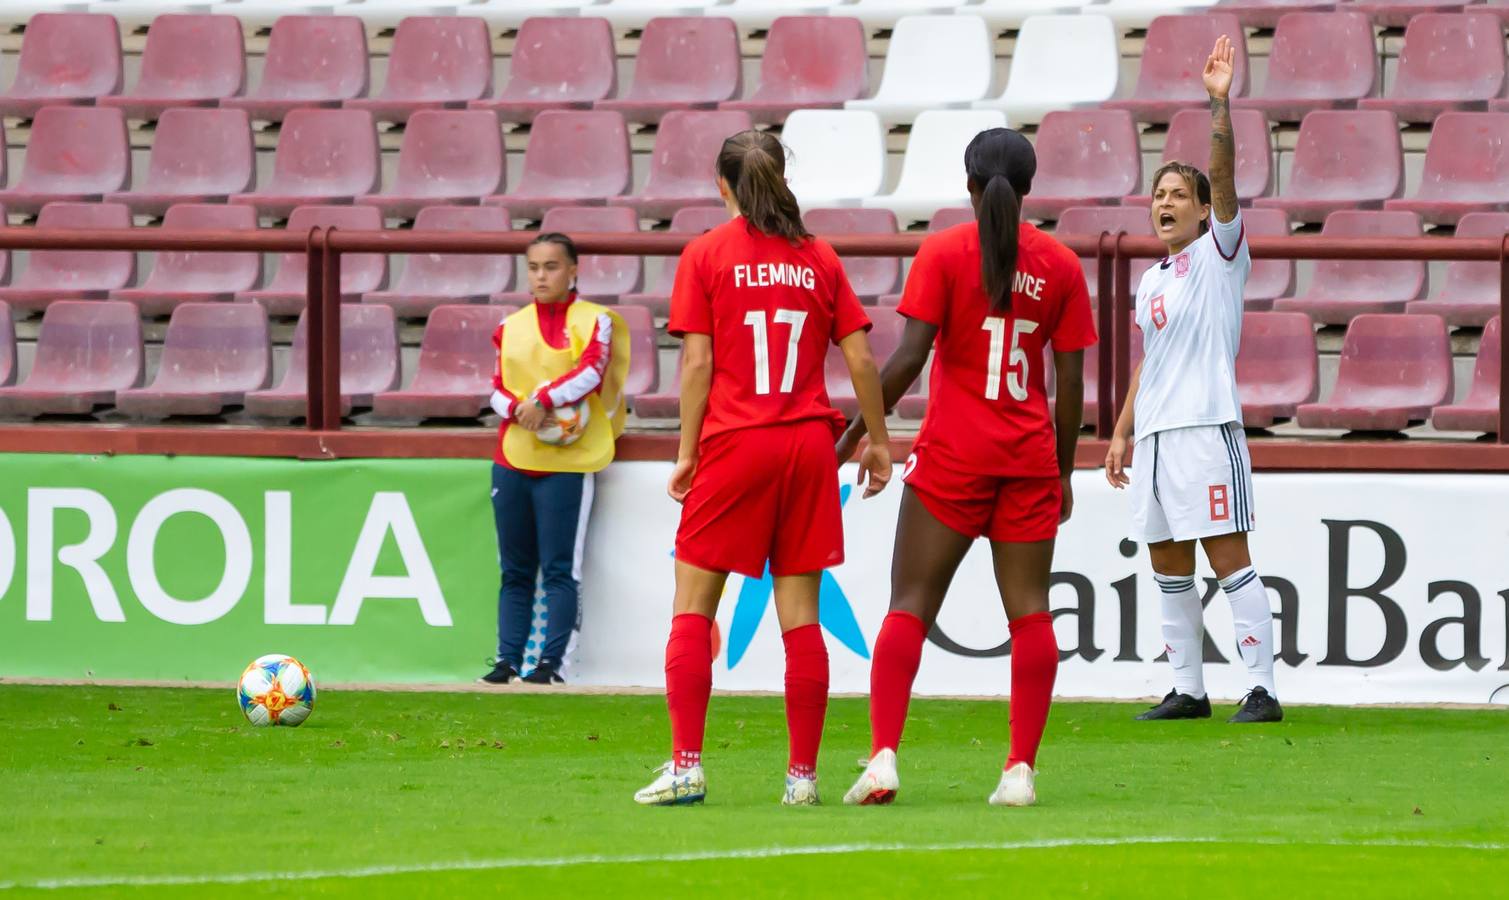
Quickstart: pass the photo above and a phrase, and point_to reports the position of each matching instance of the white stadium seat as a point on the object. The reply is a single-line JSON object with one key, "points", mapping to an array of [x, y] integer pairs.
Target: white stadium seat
{"points": [[933, 62], [932, 173], [1006, 15], [256, 14], [886, 13], [512, 13], [751, 15], [625, 14], [1060, 62], [388, 13], [17, 12], [133, 14], [837, 156], [1130, 14]]}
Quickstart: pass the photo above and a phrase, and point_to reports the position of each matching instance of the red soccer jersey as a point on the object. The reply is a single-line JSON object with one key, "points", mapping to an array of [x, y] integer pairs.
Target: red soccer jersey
{"points": [[772, 310], [987, 409]]}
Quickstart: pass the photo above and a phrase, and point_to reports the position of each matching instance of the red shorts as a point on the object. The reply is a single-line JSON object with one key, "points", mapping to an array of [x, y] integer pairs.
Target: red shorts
{"points": [[1000, 508], [764, 494]]}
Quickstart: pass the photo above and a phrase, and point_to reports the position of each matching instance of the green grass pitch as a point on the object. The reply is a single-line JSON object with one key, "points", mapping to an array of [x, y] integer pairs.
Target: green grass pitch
{"points": [[160, 793]]}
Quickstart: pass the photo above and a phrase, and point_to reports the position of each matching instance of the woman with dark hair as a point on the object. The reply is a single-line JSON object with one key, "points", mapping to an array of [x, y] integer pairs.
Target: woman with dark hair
{"points": [[989, 461], [558, 388], [757, 302]]}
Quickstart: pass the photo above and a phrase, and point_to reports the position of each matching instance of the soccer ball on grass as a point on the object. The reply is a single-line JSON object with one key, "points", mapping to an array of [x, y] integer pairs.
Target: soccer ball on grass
{"points": [[276, 690]]}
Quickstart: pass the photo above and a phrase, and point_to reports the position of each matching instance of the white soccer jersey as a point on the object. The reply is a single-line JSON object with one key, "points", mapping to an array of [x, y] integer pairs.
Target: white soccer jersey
{"points": [[1189, 310]]}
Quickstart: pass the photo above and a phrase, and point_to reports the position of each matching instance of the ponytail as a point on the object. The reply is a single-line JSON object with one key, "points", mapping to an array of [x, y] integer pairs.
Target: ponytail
{"points": [[754, 165], [1000, 164]]}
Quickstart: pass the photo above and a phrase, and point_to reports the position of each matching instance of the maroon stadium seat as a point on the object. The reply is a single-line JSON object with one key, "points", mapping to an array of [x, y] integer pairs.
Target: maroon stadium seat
{"points": [[810, 62], [323, 156], [53, 275], [686, 154], [197, 276], [1342, 160], [1466, 168], [573, 158], [1188, 141], [644, 354], [950, 216], [437, 62], [1092, 373], [1084, 158], [360, 272], [1270, 278], [189, 61], [429, 280], [453, 376], [212, 355], [7, 347], [369, 365], [1449, 62], [600, 278], [1398, 13], [885, 337], [557, 63], [1342, 289], [1268, 13], [1394, 370], [1470, 295], [1173, 58], [1318, 61], [871, 277], [312, 61], [198, 156], [1479, 410], [74, 154], [86, 351], [665, 402], [1090, 221], [688, 220], [682, 63], [447, 156], [1277, 366], [66, 58]]}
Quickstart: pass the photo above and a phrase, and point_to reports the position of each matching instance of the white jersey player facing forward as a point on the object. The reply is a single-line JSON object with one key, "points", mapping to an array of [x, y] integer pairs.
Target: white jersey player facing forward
{"points": [[1193, 479]]}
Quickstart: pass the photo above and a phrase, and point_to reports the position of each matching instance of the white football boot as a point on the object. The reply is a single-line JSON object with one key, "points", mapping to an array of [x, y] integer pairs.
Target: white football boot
{"points": [[878, 784], [1016, 787], [673, 788], [800, 792]]}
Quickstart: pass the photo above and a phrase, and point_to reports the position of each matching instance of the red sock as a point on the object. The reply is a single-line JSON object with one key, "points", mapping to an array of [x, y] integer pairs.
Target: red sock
{"points": [[688, 682], [806, 697], [898, 652], [1034, 666]]}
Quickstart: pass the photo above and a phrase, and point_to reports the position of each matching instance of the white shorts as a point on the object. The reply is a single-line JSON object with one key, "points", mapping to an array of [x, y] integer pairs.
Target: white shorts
{"points": [[1190, 483]]}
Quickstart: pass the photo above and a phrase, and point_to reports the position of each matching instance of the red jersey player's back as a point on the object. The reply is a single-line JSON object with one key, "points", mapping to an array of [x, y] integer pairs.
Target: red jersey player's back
{"points": [[772, 307]]}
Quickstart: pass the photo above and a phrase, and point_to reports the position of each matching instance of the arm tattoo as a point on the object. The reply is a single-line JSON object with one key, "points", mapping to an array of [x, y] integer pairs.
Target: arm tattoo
{"points": [[1223, 187]]}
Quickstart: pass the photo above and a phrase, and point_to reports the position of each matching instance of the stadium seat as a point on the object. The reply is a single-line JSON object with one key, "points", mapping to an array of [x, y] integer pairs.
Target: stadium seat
{"points": [[682, 63], [1479, 410], [258, 14], [7, 347], [1466, 168], [212, 355], [644, 355], [1319, 60], [323, 156], [1061, 62], [75, 154], [447, 156], [1130, 15], [932, 172], [932, 63], [86, 351], [836, 156], [681, 168], [1188, 140], [52, 275], [1469, 296], [1008, 15], [1393, 371], [665, 401], [1084, 158], [1269, 278], [311, 61], [66, 59], [134, 15], [1342, 160], [574, 157], [197, 276], [630, 15], [871, 277], [885, 336], [1449, 62], [369, 365], [453, 375], [1341, 289], [950, 216], [509, 14], [1092, 373], [360, 272], [1398, 13], [882, 14], [198, 156], [383, 14], [1277, 367], [1173, 58], [810, 62], [429, 280], [1090, 221], [557, 63], [188, 61], [437, 62], [1268, 13], [688, 220]]}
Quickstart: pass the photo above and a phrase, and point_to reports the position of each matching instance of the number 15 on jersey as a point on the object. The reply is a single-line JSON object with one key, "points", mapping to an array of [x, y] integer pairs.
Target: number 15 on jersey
{"points": [[1017, 367]]}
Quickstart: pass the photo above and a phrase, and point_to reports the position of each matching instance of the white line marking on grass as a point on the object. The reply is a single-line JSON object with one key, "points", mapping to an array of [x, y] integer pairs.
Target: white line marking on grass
{"points": [[474, 865]]}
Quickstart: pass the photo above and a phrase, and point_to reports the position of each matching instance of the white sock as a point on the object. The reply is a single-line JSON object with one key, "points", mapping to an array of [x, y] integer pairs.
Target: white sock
{"points": [[1253, 618], [1183, 632]]}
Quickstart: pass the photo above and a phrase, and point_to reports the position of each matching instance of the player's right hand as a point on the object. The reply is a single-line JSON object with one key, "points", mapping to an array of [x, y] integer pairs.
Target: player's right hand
{"points": [[1116, 463], [875, 463], [681, 479]]}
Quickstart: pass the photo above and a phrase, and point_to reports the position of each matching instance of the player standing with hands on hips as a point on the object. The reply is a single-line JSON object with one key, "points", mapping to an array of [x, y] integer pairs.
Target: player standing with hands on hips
{"points": [[757, 301], [1194, 477]]}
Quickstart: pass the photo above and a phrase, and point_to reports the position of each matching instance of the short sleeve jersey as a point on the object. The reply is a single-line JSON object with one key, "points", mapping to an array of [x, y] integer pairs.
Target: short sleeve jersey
{"points": [[772, 310], [987, 410], [1189, 310]]}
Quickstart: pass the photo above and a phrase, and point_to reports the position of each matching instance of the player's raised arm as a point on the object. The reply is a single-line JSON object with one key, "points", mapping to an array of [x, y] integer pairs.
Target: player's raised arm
{"points": [[1223, 154]]}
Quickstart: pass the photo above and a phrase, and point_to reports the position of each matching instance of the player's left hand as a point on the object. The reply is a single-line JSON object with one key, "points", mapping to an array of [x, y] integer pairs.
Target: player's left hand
{"points": [[1066, 509], [1218, 68], [875, 463], [530, 415], [681, 479]]}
